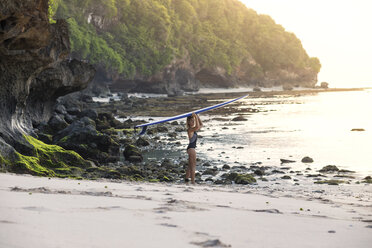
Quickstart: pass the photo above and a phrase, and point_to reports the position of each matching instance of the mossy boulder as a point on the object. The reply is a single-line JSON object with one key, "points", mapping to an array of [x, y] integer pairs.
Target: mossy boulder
{"points": [[46, 160], [132, 154], [81, 136], [239, 178], [244, 179], [168, 164], [102, 172]]}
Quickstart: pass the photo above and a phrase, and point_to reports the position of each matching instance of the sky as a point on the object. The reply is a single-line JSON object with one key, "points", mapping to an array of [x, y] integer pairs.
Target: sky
{"points": [[338, 32]]}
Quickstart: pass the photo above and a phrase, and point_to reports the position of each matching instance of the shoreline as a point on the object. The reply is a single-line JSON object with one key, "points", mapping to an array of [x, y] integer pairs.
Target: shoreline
{"points": [[257, 94], [131, 214]]}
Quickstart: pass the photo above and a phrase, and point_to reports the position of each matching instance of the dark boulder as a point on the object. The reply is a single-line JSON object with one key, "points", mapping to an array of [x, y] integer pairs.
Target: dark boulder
{"points": [[168, 164], [57, 123], [60, 109], [142, 142], [90, 113], [74, 110]]}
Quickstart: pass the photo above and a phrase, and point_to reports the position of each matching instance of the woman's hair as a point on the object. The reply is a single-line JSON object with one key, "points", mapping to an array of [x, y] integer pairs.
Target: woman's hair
{"points": [[187, 121]]}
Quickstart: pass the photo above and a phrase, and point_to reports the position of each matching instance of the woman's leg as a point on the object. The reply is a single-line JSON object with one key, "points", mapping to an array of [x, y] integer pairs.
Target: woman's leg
{"points": [[192, 164], [188, 171]]}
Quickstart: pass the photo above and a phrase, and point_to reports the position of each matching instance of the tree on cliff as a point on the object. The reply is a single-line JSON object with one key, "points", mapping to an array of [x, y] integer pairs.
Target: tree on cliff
{"points": [[141, 37]]}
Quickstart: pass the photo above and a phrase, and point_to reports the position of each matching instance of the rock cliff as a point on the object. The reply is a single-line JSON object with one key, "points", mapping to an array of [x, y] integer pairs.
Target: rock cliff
{"points": [[165, 47], [34, 72]]}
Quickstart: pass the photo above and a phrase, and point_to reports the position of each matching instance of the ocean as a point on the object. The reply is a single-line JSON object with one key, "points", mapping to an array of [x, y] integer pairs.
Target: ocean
{"points": [[292, 127], [288, 127]]}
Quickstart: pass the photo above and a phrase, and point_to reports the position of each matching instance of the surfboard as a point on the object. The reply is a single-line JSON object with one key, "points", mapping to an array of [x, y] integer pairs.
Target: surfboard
{"points": [[173, 118]]}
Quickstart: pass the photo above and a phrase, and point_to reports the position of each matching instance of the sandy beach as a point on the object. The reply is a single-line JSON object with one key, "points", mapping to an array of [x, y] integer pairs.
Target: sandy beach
{"points": [[43, 212]]}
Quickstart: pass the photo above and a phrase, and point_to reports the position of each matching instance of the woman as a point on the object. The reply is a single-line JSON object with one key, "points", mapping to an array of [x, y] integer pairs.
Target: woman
{"points": [[193, 124]]}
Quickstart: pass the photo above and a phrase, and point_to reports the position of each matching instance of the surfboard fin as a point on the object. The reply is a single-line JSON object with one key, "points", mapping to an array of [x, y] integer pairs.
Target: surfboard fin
{"points": [[143, 130]]}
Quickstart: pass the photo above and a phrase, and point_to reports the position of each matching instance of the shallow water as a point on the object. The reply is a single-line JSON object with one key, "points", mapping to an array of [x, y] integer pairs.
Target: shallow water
{"points": [[318, 126], [288, 127]]}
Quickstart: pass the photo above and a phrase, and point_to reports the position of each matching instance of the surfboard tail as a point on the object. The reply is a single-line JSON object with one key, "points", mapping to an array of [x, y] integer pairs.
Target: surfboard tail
{"points": [[143, 131]]}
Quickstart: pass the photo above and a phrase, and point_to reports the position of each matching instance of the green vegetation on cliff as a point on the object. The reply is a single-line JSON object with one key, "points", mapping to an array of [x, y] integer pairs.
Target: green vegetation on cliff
{"points": [[131, 37]]}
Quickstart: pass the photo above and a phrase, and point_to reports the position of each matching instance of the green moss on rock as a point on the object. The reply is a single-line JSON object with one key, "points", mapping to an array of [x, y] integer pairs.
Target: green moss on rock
{"points": [[30, 165], [3, 164], [47, 160], [330, 182], [53, 156], [244, 179], [367, 179]]}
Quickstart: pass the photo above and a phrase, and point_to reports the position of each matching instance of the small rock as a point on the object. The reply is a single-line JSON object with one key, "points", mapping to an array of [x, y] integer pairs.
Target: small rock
{"points": [[212, 172], [307, 160], [211, 243], [259, 172], [179, 129], [329, 169], [161, 129], [358, 130], [286, 177], [172, 135], [207, 164], [239, 118], [283, 161], [278, 172], [226, 167]]}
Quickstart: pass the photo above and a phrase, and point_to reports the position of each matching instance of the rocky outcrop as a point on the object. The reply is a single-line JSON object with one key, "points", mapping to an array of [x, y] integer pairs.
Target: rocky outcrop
{"points": [[181, 76], [34, 71], [174, 79]]}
